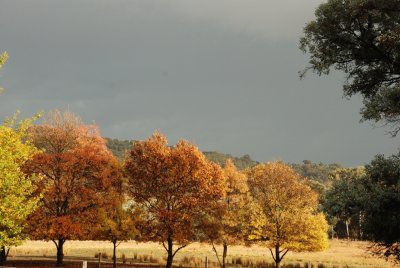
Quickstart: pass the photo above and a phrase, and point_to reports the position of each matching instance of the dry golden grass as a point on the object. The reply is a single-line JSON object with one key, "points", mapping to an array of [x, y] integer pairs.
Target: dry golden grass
{"points": [[340, 254]]}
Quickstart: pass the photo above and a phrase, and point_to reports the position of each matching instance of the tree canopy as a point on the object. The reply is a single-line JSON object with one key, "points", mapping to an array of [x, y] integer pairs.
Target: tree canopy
{"points": [[3, 59], [76, 170], [360, 38], [176, 186], [315, 171], [120, 147], [119, 217], [287, 217], [221, 159], [344, 199], [382, 204], [16, 188], [228, 224]]}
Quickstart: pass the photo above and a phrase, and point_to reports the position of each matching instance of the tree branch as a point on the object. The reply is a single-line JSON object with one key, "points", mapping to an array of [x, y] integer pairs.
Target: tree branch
{"points": [[216, 253], [272, 254], [164, 246], [176, 251], [284, 254]]}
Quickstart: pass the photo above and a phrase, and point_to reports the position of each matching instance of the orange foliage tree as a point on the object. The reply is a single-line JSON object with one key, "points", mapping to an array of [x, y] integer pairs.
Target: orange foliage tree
{"points": [[76, 171], [227, 224], [176, 186], [287, 218]]}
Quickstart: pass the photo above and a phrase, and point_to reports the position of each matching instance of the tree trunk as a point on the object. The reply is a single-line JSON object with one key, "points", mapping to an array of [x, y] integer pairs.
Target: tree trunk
{"points": [[360, 226], [60, 252], [114, 253], [170, 253], [347, 229], [224, 253], [277, 257], [3, 255]]}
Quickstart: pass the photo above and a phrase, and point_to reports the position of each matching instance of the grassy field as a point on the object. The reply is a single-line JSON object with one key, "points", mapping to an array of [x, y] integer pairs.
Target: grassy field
{"points": [[340, 254]]}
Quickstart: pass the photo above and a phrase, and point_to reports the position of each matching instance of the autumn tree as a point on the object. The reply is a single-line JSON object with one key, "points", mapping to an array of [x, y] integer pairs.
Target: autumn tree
{"points": [[3, 59], [287, 218], [175, 186], [119, 217], [226, 225], [118, 224], [16, 188], [76, 171], [360, 38]]}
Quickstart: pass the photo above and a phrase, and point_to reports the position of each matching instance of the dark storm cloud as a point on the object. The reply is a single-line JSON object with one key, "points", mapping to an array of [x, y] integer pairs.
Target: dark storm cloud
{"points": [[220, 73]]}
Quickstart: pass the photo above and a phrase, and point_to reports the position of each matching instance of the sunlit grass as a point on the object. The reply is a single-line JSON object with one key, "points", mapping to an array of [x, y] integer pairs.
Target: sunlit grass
{"points": [[340, 254]]}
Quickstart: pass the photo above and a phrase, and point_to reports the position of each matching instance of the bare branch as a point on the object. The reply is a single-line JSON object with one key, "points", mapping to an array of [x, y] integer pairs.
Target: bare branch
{"points": [[272, 254], [216, 252], [176, 251], [284, 253], [164, 246]]}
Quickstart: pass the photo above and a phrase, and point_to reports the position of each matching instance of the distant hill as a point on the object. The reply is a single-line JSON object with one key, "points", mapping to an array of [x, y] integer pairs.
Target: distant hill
{"points": [[315, 171], [119, 147], [240, 162]]}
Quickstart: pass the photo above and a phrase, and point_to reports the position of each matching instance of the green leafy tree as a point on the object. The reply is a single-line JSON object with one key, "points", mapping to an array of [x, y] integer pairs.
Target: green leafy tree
{"points": [[360, 38], [315, 171], [119, 147], [16, 188], [382, 205], [240, 162], [344, 199]]}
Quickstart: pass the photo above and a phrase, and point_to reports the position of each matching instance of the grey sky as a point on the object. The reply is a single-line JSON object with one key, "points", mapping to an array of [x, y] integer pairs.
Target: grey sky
{"points": [[220, 73]]}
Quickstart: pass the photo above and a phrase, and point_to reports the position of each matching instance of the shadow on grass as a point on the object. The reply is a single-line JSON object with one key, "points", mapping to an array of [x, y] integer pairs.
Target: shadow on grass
{"points": [[33, 263]]}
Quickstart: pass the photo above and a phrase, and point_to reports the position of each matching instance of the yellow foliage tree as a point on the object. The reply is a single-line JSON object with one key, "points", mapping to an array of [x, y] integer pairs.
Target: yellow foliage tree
{"points": [[16, 187], [119, 217], [3, 59], [227, 224], [287, 218]]}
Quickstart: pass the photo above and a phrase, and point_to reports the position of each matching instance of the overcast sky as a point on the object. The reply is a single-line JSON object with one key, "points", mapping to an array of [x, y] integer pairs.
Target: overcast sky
{"points": [[220, 73]]}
